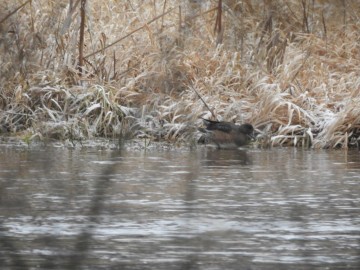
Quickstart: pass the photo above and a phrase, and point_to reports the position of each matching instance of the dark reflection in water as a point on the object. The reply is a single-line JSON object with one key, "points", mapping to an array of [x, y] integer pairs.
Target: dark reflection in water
{"points": [[177, 209]]}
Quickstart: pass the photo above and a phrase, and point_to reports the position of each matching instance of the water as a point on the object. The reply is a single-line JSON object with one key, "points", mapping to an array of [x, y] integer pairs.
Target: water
{"points": [[179, 209]]}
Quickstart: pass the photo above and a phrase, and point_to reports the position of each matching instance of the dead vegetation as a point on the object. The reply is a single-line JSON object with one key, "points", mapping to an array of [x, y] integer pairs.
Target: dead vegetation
{"points": [[81, 69]]}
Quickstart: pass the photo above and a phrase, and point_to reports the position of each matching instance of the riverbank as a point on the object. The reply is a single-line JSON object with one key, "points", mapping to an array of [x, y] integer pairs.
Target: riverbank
{"points": [[136, 71]]}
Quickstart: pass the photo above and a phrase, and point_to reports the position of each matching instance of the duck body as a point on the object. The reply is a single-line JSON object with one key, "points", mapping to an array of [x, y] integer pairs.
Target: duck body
{"points": [[226, 134]]}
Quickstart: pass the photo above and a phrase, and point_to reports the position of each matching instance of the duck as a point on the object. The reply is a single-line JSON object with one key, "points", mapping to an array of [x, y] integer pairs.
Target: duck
{"points": [[226, 134]]}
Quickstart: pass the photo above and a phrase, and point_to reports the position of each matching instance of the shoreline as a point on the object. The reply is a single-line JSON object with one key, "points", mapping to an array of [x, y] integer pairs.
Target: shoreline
{"points": [[146, 70]]}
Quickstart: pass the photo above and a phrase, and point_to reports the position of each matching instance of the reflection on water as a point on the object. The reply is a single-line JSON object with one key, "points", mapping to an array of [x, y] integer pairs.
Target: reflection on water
{"points": [[177, 209]]}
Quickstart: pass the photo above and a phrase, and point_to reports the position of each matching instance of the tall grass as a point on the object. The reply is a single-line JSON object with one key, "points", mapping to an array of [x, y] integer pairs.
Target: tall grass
{"points": [[128, 69]]}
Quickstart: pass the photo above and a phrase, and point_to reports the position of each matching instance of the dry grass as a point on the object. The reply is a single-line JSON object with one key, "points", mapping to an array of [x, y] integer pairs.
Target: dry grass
{"points": [[289, 67]]}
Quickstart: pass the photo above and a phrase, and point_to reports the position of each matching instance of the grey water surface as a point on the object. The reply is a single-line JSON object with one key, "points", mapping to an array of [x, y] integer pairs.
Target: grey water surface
{"points": [[179, 209]]}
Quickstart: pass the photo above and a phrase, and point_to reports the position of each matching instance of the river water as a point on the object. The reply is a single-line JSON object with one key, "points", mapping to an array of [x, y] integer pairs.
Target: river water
{"points": [[89, 208]]}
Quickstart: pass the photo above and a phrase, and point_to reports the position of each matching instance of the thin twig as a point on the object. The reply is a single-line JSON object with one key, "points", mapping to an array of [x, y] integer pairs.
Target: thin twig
{"points": [[14, 11], [114, 64], [207, 106], [132, 32]]}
